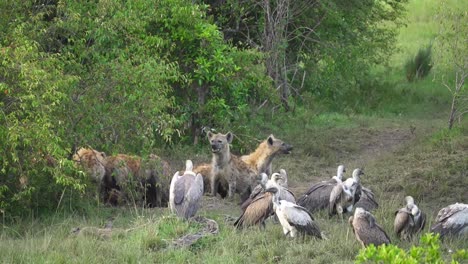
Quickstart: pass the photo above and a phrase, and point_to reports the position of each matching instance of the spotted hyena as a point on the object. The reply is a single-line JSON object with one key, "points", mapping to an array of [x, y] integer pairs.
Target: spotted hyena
{"points": [[261, 159], [228, 167]]}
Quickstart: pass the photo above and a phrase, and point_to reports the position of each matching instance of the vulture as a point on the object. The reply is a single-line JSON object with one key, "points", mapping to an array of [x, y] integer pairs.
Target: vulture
{"points": [[294, 219], [283, 179], [280, 181], [366, 229], [259, 206], [367, 200], [341, 197], [353, 184], [318, 195], [452, 220], [258, 190], [186, 191], [256, 212], [409, 220]]}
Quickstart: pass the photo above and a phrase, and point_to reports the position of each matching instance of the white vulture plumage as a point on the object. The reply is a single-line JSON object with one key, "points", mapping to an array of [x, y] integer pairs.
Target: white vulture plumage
{"points": [[353, 184], [366, 229], [452, 220], [283, 180], [409, 220], [278, 180], [186, 191], [341, 198], [294, 219], [318, 195]]}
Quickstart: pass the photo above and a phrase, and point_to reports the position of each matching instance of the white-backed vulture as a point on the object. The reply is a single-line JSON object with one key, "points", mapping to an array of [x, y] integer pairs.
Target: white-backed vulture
{"points": [[452, 220], [366, 229], [278, 181], [185, 192], [318, 195], [354, 186], [409, 220], [341, 197], [294, 219], [283, 180]]}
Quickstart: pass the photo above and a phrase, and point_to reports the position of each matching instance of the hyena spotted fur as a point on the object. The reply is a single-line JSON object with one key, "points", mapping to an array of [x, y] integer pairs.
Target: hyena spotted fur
{"points": [[261, 159], [227, 166]]}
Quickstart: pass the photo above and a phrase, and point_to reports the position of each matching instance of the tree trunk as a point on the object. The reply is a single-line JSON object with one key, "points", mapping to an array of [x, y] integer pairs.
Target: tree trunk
{"points": [[274, 41], [453, 110], [197, 116]]}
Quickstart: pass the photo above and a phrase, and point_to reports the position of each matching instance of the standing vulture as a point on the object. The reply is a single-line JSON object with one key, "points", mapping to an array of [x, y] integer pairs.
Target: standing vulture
{"points": [[452, 220], [185, 192], [355, 187], [318, 195], [341, 197], [409, 220], [256, 212], [294, 218], [366, 229]]}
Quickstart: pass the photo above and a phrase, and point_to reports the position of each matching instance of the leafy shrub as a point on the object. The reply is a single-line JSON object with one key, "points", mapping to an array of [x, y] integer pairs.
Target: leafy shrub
{"points": [[34, 170], [419, 66], [427, 252]]}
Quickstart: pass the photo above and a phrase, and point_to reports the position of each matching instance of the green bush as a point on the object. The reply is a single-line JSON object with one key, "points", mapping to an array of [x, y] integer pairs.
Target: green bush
{"points": [[427, 252], [419, 67], [35, 173]]}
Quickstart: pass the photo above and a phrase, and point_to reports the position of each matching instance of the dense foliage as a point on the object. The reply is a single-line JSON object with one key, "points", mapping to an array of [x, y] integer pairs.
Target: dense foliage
{"points": [[120, 77]]}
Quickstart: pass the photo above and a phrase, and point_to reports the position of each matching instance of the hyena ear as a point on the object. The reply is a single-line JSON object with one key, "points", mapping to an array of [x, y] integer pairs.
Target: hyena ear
{"points": [[229, 137], [271, 140], [103, 154], [209, 134]]}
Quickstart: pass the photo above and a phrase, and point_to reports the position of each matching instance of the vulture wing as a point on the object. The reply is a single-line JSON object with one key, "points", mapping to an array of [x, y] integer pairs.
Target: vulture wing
{"points": [[317, 197], [179, 190], [335, 197]]}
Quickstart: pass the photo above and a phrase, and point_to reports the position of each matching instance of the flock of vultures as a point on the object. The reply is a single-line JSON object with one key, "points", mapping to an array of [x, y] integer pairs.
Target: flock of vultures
{"points": [[263, 193]]}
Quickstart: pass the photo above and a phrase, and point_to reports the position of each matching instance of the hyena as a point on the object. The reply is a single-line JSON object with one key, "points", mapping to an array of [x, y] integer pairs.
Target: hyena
{"points": [[93, 162], [151, 177], [226, 166], [261, 159]]}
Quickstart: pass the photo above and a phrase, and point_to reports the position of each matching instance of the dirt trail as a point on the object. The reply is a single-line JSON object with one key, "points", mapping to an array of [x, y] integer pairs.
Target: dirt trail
{"points": [[370, 145], [378, 143]]}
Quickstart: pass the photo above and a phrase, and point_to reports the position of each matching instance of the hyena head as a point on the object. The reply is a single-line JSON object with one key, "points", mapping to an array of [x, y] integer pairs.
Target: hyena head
{"points": [[278, 146], [220, 142], [92, 161]]}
